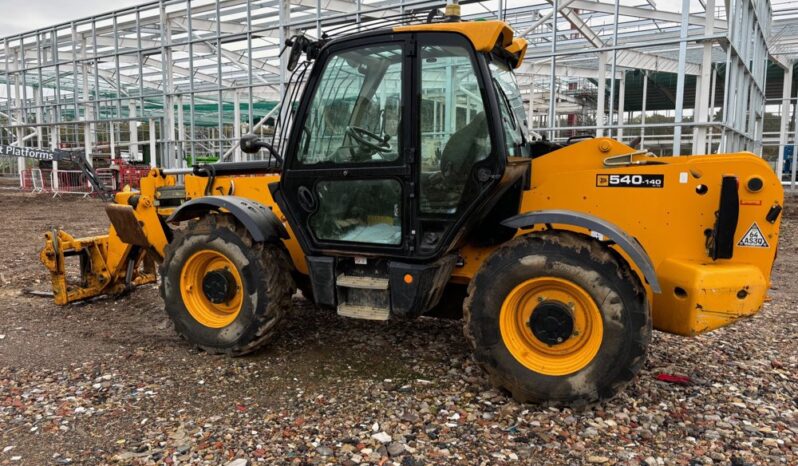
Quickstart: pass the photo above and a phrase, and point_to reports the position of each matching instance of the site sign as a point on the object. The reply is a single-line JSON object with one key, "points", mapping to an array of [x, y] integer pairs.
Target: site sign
{"points": [[32, 153]]}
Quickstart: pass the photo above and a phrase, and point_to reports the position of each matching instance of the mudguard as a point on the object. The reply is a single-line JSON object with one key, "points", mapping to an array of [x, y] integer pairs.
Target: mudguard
{"points": [[609, 230], [259, 220]]}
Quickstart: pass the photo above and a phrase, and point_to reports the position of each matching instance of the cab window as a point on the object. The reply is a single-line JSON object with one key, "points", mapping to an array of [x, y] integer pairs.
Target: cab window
{"points": [[355, 114], [454, 127], [511, 106]]}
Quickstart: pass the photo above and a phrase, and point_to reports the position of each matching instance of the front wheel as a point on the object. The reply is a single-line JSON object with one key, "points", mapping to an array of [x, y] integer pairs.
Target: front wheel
{"points": [[558, 318], [223, 292]]}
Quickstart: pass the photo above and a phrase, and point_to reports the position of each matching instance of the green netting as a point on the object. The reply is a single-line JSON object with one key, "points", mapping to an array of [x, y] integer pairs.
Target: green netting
{"points": [[205, 114]]}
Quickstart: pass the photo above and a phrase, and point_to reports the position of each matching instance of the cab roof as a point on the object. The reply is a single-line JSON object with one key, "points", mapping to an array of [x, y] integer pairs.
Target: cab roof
{"points": [[484, 35]]}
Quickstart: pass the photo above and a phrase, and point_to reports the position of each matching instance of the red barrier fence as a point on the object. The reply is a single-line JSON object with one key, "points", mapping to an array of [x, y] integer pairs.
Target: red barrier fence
{"points": [[71, 182], [131, 176], [75, 182], [31, 180]]}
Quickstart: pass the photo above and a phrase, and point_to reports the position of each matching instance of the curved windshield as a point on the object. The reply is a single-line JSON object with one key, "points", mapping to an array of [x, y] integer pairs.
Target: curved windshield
{"points": [[511, 106]]}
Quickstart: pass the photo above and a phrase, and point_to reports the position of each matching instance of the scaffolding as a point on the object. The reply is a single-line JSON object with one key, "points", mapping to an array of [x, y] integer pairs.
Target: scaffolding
{"points": [[174, 82]]}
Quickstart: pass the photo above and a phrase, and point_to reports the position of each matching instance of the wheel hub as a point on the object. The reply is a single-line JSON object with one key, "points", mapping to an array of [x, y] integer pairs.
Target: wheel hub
{"points": [[551, 325], [219, 286], [551, 322]]}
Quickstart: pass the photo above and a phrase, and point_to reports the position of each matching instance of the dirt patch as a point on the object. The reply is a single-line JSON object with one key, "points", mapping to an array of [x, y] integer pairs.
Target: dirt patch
{"points": [[109, 380]]}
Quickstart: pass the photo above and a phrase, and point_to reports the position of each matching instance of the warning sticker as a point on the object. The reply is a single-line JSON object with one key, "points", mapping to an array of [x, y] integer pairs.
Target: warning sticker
{"points": [[753, 238]]}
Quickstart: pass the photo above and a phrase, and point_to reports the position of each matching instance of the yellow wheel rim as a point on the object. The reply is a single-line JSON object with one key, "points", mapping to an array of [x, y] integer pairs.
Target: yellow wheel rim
{"points": [[575, 351], [202, 309]]}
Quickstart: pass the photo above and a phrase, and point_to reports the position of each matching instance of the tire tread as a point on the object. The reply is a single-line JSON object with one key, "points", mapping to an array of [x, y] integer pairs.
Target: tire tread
{"points": [[276, 279], [598, 253]]}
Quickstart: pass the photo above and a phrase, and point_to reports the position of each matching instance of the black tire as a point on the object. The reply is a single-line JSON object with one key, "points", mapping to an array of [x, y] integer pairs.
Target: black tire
{"points": [[265, 273], [596, 269]]}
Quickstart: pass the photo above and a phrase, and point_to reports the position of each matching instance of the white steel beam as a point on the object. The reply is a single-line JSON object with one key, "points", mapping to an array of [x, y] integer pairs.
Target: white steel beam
{"points": [[627, 58], [235, 59], [153, 161], [236, 126], [645, 13], [704, 80], [794, 164], [677, 130], [643, 111], [786, 93], [602, 90], [177, 70], [562, 71], [181, 133], [225, 27], [343, 6], [621, 104], [133, 128], [543, 19]]}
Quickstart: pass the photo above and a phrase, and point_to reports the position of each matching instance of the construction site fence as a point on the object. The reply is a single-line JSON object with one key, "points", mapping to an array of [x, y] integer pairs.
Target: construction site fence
{"points": [[75, 182]]}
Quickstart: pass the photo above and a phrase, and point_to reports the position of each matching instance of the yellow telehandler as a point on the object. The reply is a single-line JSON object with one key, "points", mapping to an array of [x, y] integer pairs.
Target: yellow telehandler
{"points": [[408, 184]]}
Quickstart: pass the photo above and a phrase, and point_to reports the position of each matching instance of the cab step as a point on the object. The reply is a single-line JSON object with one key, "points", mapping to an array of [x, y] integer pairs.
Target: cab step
{"points": [[363, 312], [363, 283]]}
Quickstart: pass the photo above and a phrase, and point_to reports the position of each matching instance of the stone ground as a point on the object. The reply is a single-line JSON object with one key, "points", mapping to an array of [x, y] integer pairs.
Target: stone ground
{"points": [[109, 382]]}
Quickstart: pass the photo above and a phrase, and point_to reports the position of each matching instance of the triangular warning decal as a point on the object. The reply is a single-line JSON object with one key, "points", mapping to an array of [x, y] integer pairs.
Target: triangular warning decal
{"points": [[753, 238]]}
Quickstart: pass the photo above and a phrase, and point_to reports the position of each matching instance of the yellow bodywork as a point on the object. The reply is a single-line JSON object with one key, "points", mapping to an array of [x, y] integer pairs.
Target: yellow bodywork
{"points": [[107, 258], [118, 261], [698, 294], [669, 223]]}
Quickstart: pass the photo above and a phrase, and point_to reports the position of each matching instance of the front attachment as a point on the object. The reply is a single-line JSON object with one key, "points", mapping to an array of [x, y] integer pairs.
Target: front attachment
{"points": [[105, 265]]}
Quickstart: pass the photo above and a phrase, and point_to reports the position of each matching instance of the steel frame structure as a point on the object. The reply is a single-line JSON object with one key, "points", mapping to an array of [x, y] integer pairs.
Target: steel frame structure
{"points": [[184, 78]]}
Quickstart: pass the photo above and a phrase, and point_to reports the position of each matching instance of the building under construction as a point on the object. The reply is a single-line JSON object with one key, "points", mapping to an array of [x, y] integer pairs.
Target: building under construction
{"points": [[170, 83]]}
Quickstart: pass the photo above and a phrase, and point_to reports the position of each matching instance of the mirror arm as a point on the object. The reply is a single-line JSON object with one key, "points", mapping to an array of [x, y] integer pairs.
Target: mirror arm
{"points": [[272, 151]]}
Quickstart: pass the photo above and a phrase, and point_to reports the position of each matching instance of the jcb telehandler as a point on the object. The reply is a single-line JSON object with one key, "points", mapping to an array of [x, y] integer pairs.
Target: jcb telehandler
{"points": [[408, 183]]}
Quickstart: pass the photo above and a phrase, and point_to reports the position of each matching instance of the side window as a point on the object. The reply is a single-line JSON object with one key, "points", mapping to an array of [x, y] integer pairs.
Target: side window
{"points": [[355, 114], [360, 211], [511, 106], [454, 129]]}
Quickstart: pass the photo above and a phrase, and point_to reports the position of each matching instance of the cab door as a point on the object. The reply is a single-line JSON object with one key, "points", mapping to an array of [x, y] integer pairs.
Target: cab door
{"points": [[398, 149], [346, 180], [459, 143]]}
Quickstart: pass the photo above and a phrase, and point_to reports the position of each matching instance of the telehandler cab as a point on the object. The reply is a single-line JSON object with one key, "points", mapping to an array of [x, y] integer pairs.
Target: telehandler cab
{"points": [[408, 183]]}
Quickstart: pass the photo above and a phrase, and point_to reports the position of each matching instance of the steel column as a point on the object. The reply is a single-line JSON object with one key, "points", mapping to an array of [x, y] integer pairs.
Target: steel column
{"points": [[786, 93], [153, 158], [133, 128], [677, 130], [602, 90], [621, 103], [643, 110], [552, 76]]}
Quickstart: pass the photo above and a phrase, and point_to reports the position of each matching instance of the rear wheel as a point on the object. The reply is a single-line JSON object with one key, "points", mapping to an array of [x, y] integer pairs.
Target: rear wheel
{"points": [[223, 292], [557, 318]]}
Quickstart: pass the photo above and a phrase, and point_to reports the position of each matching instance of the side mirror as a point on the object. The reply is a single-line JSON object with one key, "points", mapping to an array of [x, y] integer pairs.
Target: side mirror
{"points": [[250, 144], [298, 44]]}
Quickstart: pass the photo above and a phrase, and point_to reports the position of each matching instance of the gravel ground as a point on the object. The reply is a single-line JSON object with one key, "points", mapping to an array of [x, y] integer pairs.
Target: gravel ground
{"points": [[109, 382]]}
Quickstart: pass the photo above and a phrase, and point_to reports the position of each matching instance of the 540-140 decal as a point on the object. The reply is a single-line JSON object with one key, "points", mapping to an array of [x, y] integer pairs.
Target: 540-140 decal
{"points": [[630, 181]]}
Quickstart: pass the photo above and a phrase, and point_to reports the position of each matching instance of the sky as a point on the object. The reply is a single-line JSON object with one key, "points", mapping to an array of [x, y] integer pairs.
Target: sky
{"points": [[27, 15]]}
